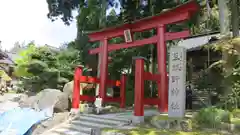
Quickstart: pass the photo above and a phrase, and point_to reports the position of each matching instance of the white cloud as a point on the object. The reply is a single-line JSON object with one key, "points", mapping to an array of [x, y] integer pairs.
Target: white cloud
{"points": [[26, 20]]}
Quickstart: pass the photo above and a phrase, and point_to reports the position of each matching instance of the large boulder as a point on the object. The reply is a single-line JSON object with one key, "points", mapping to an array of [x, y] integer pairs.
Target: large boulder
{"points": [[48, 98], [29, 102], [68, 89]]}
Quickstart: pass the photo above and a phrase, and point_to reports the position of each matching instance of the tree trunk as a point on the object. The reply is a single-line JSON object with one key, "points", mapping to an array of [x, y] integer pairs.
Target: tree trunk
{"points": [[225, 32], [224, 26], [235, 17], [224, 18]]}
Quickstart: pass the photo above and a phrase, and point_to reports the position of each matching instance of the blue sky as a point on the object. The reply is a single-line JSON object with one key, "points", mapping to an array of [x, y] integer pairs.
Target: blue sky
{"points": [[26, 20]]}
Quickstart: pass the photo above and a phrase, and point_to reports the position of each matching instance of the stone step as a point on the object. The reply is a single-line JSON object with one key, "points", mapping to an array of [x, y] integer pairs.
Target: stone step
{"points": [[200, 99], [204, 96], [90, 124], [71, 127], [105, 117], [84, 123], [69, 133], [101, 120], [69, 130]]}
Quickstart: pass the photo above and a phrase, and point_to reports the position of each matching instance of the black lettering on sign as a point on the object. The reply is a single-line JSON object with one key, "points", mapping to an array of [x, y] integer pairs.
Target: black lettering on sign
{"points": [[174, 91], [177, 56], [175, 106], [175, 79], [176, 67]]}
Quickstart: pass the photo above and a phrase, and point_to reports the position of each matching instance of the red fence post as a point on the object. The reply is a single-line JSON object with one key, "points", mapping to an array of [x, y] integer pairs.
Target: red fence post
{"points": [[139, 90], [162, 68], [76, 87], [123, 81]]}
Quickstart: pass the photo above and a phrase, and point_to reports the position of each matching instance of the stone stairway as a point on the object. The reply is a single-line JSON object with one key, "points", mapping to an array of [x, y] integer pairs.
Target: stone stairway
{"points": [[200, 99], [86, 124]]}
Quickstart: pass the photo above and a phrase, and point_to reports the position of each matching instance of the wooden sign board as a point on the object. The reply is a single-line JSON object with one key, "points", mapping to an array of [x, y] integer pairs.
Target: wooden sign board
{"points": [[127, 36], [177, 82]]}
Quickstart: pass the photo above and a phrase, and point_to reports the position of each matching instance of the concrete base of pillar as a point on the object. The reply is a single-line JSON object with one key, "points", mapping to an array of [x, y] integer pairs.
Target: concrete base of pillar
{"points": [[74, 111], [138, 119]]}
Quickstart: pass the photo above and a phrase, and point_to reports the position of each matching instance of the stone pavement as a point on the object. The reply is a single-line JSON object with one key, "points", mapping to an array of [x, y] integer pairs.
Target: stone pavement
{"points": [[84, 124]]}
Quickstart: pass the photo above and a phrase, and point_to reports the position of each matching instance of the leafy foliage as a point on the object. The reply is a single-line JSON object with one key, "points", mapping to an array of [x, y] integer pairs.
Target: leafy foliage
{"points": [[226, 81], [64, 8], [42, 67], [212, 117], [22, 62]]}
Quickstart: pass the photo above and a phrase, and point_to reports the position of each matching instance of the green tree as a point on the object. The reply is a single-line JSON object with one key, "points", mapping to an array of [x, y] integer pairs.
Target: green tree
{"points": [[64, 8], [43, 67], [22, 62]]}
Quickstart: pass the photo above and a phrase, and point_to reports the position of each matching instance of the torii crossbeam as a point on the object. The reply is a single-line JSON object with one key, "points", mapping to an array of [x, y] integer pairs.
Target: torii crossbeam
{"points": [[176, 15]]}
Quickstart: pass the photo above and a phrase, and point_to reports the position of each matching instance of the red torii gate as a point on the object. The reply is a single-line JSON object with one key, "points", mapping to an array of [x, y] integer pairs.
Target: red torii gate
{"points": [[178, 14]]}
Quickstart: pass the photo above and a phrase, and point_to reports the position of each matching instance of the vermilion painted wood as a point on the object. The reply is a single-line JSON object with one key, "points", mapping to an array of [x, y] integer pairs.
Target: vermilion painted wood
{"points": [[78, 78], [151, 77], [88, 79], [136, 43], [162, 68], [83, 78], [176, 35], [141, 75], [93, 98], [123, 91], [151, 40], [76, 88], [175, 15], [103, 69], [151, 101], [139, 88], [92, 80], [87, 98]]}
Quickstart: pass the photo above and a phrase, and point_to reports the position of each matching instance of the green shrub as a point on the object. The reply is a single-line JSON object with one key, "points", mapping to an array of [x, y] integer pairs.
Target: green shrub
{"points": [[236, 113], [212, 117]]}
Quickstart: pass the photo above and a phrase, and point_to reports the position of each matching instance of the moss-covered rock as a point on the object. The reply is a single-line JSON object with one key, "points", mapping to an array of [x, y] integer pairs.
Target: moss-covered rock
{"points": [[165, 122], [186, 125]]}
